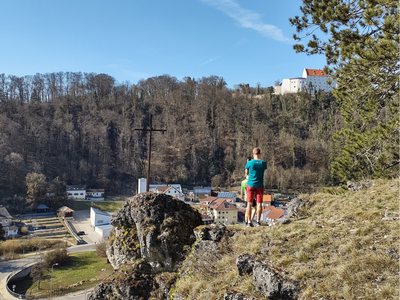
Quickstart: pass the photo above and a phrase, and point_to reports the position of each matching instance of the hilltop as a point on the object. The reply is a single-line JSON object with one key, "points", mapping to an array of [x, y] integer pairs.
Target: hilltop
{"points": [[341, 245]]}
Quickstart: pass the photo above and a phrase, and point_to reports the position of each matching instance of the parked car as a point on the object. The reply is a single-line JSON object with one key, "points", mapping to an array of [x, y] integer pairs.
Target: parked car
{"points": [[81, 232]]}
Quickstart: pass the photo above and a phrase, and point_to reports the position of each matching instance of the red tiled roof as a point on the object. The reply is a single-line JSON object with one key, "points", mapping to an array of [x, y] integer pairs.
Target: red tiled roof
{"points": [[222, 204], [163, 188], [275, 213], [209, 198], [315, 72], [266, 198]]}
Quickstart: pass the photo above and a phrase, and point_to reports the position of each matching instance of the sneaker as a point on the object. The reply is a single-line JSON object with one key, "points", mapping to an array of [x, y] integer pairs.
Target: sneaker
{"points": [[258, 224], [250, 224]]}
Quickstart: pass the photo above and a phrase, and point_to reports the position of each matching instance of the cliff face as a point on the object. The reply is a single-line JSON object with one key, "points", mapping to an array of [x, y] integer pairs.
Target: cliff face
{"points": [[153, 233]]}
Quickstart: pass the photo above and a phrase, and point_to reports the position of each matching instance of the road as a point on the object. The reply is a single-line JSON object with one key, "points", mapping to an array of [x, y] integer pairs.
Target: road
{"points": [[9, 266]]}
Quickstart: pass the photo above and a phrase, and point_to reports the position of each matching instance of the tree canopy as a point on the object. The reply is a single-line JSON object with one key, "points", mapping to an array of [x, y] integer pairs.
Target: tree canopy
{"points": [[363, 59]]}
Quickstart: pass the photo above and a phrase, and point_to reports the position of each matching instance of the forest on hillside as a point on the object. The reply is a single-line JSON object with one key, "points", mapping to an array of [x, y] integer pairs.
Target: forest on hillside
{"points": [[80, 128]]}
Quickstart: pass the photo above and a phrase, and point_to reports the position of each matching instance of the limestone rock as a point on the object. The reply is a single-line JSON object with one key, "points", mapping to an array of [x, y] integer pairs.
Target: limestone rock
{"points": [[155, 227], [295, 206], [245, 264], [356, 186], [152, 235], [230, 295], [273, 285], [213, 232]]}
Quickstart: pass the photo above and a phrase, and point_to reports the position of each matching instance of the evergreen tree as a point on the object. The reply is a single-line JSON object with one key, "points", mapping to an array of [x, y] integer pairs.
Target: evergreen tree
{"points": [[362, 56]]}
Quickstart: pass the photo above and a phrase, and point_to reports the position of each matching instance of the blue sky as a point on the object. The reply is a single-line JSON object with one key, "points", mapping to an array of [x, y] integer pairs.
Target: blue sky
{"points": [[243, 41]]}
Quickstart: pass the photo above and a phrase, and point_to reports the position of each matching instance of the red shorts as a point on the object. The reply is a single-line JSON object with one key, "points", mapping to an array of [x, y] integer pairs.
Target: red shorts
{"points": [[258, 192]]}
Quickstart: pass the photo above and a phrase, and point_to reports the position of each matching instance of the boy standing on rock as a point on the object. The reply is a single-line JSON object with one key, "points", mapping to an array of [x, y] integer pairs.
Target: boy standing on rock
{"points": [[255, 184], [243, 194]]}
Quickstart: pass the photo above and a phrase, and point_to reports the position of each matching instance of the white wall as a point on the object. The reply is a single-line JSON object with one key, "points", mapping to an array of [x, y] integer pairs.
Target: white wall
{"points": [[293, 85], [142, 185], [97, 219]]}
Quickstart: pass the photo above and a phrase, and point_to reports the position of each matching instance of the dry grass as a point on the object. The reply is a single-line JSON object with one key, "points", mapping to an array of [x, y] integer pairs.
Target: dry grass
{"points": [[343, 247]]}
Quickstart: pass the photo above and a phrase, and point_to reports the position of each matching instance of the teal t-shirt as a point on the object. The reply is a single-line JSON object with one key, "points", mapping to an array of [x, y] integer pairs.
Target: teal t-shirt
{"points": [[256, 169]]}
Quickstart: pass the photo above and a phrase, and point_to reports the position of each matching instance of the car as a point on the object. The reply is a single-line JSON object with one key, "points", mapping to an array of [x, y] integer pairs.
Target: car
{"points": [[81, 232]]}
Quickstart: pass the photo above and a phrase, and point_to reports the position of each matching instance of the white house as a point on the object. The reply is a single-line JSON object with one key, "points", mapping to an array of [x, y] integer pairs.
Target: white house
{"points": [[317, 78], [271, 215], [98, 217], [104, 230], [76, 192], [10, 231], [95, 194], [5, 217], [172, 191]]}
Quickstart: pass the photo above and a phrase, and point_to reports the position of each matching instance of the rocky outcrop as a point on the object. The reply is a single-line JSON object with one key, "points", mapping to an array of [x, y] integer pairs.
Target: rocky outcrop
{"points": [[273, 285], [153, 233], [356, 186], [154, 227], [294, 206], [237, 296], [206, 248], [245, 264]]}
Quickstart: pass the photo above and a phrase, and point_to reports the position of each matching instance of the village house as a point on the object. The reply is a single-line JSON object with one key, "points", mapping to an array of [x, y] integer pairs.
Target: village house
{"points": [[95, 194], [272, 215], [7, 223], [222, 211], [170, 190], [76, 192], [228, 196], [66, 211], [200, 193], [42, 208], [267, 200], [5, 217]]}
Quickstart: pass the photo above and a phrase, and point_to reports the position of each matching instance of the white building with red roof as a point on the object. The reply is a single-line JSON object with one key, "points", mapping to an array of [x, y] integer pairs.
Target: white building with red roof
{"points": [[316, 77], [223, 211]]}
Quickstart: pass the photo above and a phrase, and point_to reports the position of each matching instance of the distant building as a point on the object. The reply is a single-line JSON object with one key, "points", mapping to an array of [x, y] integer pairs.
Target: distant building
{"points": [[314, 77], [170, 190], [10, 231], [200, 193], [76, 192], [95, 194], [100, 222], [42, 208], [142, 185], [5, 217], [223, 211], [228, 196], [68, 212], [271, 215]]}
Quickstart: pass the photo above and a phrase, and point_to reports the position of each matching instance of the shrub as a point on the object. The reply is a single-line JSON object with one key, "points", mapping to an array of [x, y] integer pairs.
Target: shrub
{"points": [[101, 248]]}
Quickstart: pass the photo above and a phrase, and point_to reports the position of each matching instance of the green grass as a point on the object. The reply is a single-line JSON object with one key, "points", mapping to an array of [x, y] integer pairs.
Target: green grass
{"points": [[102, 205], [336, 249], [83, 266]]}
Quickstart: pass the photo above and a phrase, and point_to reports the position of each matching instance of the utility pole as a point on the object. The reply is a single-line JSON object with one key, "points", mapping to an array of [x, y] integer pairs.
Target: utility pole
{"points": [[151, 129]]}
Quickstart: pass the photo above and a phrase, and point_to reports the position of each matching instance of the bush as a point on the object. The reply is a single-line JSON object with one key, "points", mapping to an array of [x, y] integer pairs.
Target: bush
{"points": [[101, 248], [59, 256]]}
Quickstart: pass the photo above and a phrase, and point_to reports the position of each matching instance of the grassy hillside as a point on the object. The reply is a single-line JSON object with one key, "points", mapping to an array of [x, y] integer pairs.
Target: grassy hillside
{"points": [[341, 247]]}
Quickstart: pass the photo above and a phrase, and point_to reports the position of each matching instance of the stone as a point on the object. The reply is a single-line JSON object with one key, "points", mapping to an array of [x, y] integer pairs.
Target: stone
{"points": [[273, 285], [356, 186], [152, 235], [155, 227], [294, 206], [245, 264], [231, 295]]}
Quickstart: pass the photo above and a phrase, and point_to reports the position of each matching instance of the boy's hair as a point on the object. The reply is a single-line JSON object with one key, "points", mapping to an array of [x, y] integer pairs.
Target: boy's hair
{"points": [[256, 151]]}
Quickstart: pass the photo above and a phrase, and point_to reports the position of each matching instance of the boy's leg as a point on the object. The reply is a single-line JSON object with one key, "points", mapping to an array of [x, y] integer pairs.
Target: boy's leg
{"points": [[250, 195]]}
